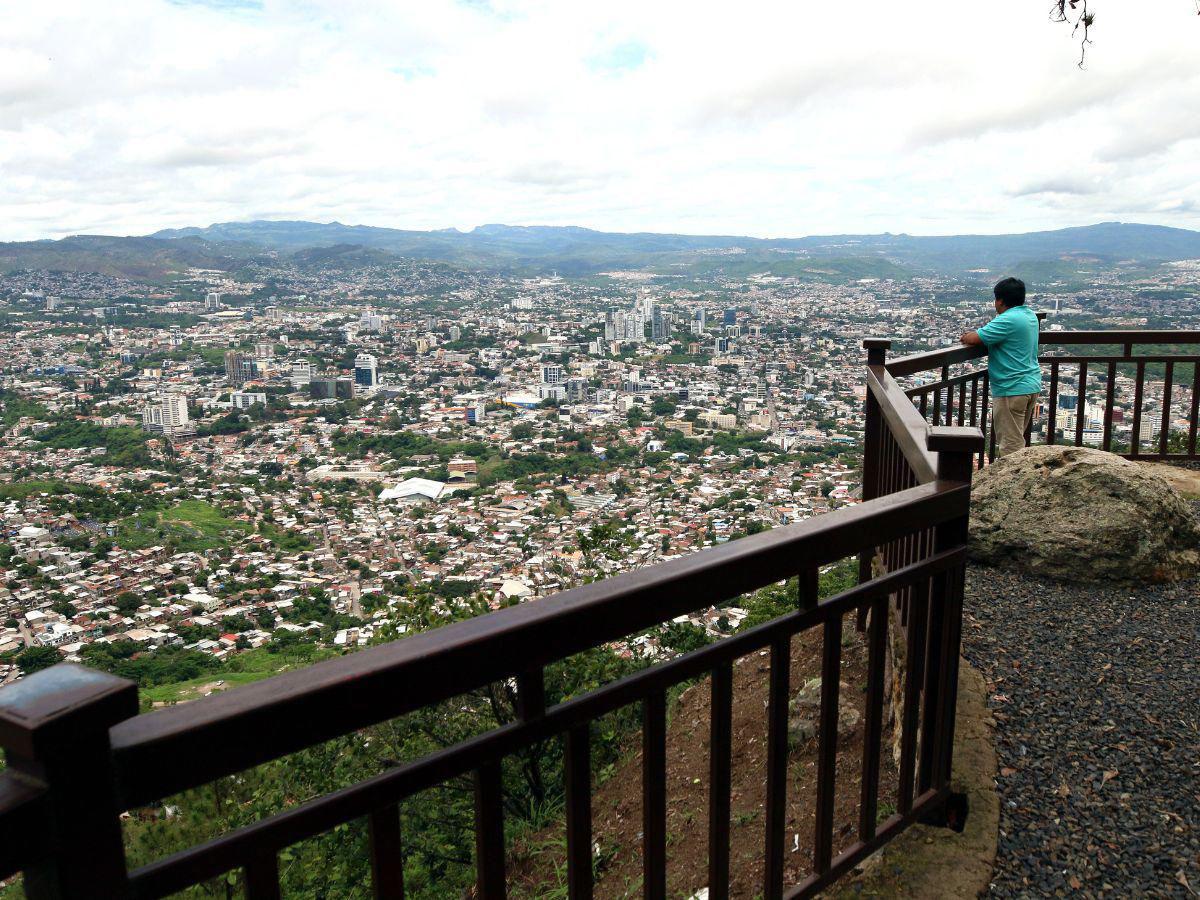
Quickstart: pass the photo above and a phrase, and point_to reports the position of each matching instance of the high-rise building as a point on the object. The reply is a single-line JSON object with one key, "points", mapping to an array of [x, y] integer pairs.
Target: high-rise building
{"points": [[551, 373], [322, 387], [167, 414], [212, 302], [366, 370], [698, 321], [239, 368], [344, 388], [302, 373], [729, 317], [369, 321], [246, 399], [264, 350]]}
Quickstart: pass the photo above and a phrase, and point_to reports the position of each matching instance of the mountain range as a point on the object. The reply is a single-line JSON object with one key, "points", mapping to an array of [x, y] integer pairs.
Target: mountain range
{"points": [[574, 250]]}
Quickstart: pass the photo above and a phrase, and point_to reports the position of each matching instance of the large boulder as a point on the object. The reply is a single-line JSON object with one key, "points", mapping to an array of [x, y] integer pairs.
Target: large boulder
{"points": [[1077, 514]]}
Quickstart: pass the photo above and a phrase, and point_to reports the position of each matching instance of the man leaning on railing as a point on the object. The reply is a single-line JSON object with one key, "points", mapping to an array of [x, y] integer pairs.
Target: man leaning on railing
{"points": [[1014, 376]]}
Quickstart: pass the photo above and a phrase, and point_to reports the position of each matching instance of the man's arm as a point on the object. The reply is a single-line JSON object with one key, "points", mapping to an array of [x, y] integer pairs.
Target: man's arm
{"points": [[971, 339]]}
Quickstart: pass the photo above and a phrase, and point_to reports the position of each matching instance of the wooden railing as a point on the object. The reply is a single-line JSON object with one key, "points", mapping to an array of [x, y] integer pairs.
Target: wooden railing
{"points": [[79, 755], [952, 388]]}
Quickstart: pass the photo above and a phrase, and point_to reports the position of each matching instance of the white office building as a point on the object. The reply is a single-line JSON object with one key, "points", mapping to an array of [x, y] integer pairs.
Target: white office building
{"points": [[167, 414]]}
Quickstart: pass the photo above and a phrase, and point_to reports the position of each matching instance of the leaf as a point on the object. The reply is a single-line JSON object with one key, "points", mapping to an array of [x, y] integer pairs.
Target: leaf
{"points": [[1108, 776], [1075, 883], [1182, 879], [1006, 771]]}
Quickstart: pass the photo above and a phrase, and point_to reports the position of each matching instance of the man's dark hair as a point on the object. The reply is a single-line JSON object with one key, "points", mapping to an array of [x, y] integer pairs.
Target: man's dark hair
{"points": [[1010, 291]]}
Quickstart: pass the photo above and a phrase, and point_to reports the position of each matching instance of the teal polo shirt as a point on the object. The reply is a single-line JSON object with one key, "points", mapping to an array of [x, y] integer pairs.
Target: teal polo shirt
{"points": [[1012, 342]]}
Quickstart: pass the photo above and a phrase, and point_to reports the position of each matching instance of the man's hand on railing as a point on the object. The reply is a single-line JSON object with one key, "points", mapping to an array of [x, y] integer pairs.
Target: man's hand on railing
{"points": [[970, 338]]}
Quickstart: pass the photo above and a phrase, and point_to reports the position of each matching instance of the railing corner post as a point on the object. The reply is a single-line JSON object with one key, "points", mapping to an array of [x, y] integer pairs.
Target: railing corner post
{"points": [[956, 448], [877, 349], [54, 727]]}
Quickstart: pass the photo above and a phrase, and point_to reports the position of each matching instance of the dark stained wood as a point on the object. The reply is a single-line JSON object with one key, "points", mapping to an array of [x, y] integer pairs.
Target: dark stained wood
{"points": [[808, 583], [719, 780], [873, 720], [531, 694], [191, 744], [1109, 401], [1164, 427], [262, 878], [387, 863], [831, 672], [1135, 440], [1080, 404], [860, 850], [777, 759], [1052, 412], [654, 797], [913, 678], [489, 832], [578, 777], [1194, 417]]}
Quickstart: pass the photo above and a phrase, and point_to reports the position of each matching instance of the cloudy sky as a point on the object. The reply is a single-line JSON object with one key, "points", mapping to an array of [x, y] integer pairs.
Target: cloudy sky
{"points": [[769, 119]]}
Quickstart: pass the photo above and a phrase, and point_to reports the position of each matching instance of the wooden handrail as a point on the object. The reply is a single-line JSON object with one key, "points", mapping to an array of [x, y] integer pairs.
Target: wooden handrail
{"points": [[170, 750], [22, 820], [948, 356]]}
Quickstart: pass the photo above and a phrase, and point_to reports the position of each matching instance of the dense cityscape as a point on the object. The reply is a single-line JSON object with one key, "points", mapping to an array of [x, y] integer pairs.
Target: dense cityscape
{"points": [[321, 457]]}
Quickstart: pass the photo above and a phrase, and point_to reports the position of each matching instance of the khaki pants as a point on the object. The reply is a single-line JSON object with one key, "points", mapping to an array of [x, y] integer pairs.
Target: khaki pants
{"points": [[1010, 418]]}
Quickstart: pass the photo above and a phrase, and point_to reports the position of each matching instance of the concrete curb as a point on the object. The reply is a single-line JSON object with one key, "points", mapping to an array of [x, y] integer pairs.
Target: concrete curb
{"points": [[928, 862]]}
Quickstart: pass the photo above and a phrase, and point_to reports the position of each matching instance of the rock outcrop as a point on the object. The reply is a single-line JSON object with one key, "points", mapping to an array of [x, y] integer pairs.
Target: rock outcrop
{"points": [[1078, 514], [805, 712]]}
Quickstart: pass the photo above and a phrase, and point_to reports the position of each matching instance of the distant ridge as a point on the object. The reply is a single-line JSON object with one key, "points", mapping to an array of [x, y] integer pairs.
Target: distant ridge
{"points": [[574, 247], [575, 250]]}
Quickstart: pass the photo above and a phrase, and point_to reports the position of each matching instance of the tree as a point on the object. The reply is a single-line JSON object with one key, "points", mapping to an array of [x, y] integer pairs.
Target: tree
{"points": [[1081, 18], [35, 659], [127, 602]]}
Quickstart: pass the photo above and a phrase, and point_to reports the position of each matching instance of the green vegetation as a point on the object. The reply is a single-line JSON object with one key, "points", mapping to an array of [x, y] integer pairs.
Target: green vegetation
{"points": [[14, 407], [190, 525], [438, 824], [125, 446]]}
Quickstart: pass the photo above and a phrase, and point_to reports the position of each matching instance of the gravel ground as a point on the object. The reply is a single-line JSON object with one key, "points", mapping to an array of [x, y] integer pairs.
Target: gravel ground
{"points": [[1096, 694]]}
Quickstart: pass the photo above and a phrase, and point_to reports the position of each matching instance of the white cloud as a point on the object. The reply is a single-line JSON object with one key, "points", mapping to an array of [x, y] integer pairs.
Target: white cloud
{"points": [[768, 118]]}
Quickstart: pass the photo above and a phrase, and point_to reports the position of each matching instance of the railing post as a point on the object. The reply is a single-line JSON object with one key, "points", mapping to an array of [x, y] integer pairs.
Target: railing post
{"points": [[877, 349], [54, 728], [956, 448]]}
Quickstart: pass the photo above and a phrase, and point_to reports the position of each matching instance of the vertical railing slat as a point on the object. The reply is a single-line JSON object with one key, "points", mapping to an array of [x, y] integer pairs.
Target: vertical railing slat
{"points": [[1135, 440], [654, 796], [873, 724], [1194, 418], [387, 863], [1052, 412], [777, 759], [1164, 427], [720, 762], [489, 832], [831, 671], [1109, 401], [914, 674], [262, 877], [1081, 404], [578, 803]]}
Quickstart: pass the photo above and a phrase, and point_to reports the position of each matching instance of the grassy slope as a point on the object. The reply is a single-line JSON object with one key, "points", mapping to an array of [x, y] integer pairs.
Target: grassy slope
{"points": [[191, 524]]}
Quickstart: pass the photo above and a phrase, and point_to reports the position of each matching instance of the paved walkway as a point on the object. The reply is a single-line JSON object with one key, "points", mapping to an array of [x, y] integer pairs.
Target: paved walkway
{"points": [[1096, 694]]}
